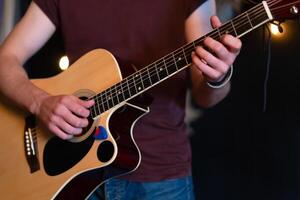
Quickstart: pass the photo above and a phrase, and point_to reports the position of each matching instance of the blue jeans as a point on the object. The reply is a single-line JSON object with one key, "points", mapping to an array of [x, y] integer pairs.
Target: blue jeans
{"points": [[172, 189]]}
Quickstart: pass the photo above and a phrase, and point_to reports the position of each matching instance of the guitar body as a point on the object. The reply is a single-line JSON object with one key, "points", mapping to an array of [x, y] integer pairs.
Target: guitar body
{"points": [[37, 165]]}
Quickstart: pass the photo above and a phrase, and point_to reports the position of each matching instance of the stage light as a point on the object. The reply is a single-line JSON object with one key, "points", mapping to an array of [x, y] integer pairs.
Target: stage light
{"points": [[277, 29], [64, 63], [274, 29]]}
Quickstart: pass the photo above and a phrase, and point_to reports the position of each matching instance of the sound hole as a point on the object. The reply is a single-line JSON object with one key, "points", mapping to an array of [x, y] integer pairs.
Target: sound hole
{"points": [[105, 151]]}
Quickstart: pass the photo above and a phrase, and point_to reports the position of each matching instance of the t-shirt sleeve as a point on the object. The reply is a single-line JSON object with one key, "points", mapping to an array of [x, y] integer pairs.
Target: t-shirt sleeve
{"points": [[192, 5], [50, 8]]}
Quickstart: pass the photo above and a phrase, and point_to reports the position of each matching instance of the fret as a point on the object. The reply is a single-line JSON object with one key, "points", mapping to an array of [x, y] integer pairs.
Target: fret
{"points": [[180, 60], [145, 78], [219, 34], [93, 111], [126, 90], [105, 100], [242, 25], [154, 74], [138, 82], [258, 20], [171, 64], [98, 108], [161, 70], [183, 52], [249, 20], [194, 45], [119, 92], [99, 97], [140, 74], [176, 60], [109, 98], [165, 66], [233, 28], [188, 52], [132, 87], [214, 34], [225, 29], [147, 69], [114, 95]]}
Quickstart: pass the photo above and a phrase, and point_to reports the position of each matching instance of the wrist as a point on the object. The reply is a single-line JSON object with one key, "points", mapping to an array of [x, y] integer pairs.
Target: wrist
{"points": [[223, 81], [37, 101]]}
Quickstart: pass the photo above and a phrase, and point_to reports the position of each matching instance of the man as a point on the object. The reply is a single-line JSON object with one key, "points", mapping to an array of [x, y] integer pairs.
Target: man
{"points": [[138, 32]]}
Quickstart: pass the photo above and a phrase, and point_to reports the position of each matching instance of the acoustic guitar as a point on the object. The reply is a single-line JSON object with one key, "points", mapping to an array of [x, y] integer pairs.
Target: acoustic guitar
{"points": [[35, 164]]}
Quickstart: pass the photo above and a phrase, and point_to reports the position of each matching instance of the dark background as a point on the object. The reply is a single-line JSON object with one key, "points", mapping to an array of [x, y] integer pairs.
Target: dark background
{"points": [[246, 147]]}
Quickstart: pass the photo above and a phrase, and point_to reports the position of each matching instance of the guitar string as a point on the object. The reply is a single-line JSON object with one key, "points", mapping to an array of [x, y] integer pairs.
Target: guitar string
{"points": [[140, 75], [111, 96], [151, 74], [279, 8], [239, 23]]}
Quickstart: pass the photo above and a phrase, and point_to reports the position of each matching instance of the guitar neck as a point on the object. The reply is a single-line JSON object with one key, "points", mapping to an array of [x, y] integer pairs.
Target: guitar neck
{"points": [[176, 61]]}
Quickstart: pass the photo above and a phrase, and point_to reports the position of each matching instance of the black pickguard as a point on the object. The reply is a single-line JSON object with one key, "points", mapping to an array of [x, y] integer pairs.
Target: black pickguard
{"points": [[127, 159]]}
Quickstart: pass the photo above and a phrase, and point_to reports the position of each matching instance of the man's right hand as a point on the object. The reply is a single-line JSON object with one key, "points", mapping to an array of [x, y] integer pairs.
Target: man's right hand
{"points": [[64, 115]]}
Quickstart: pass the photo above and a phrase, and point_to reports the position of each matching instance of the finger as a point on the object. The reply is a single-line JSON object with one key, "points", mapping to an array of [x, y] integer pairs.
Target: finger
{"points": [[217, 48], [215, 22], [232, 43], [58, 132], [65, 126], [67, 115], [86, 104], [212, 61], [209, 72], [73, 104]]}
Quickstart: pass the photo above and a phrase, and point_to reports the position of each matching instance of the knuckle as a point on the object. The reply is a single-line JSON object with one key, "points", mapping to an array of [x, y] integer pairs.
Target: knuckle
{"points": [[52, 118], [57, 109], [79, 110], [206, 56], [77, 123], [50, 126], [218, 47], [64, 99], [69, 129]]}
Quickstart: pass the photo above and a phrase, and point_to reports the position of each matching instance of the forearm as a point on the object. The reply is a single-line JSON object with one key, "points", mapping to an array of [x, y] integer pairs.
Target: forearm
{"points": [[15, 85]]}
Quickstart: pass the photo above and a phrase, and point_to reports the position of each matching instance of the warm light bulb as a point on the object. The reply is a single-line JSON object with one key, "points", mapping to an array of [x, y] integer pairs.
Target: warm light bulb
{"points": [[64, 63], [274, 29]]}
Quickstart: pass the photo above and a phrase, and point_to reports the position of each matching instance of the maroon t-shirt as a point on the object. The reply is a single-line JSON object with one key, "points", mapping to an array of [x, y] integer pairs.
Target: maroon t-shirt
{"points": [[138, 32]]}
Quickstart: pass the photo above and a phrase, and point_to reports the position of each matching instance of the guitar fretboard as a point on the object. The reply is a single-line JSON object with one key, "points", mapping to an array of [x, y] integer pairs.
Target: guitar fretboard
{"points": [[174, 62]]}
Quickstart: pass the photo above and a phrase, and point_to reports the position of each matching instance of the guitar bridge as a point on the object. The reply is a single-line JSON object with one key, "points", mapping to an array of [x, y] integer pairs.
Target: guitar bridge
{"points": [[30, 143]]}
